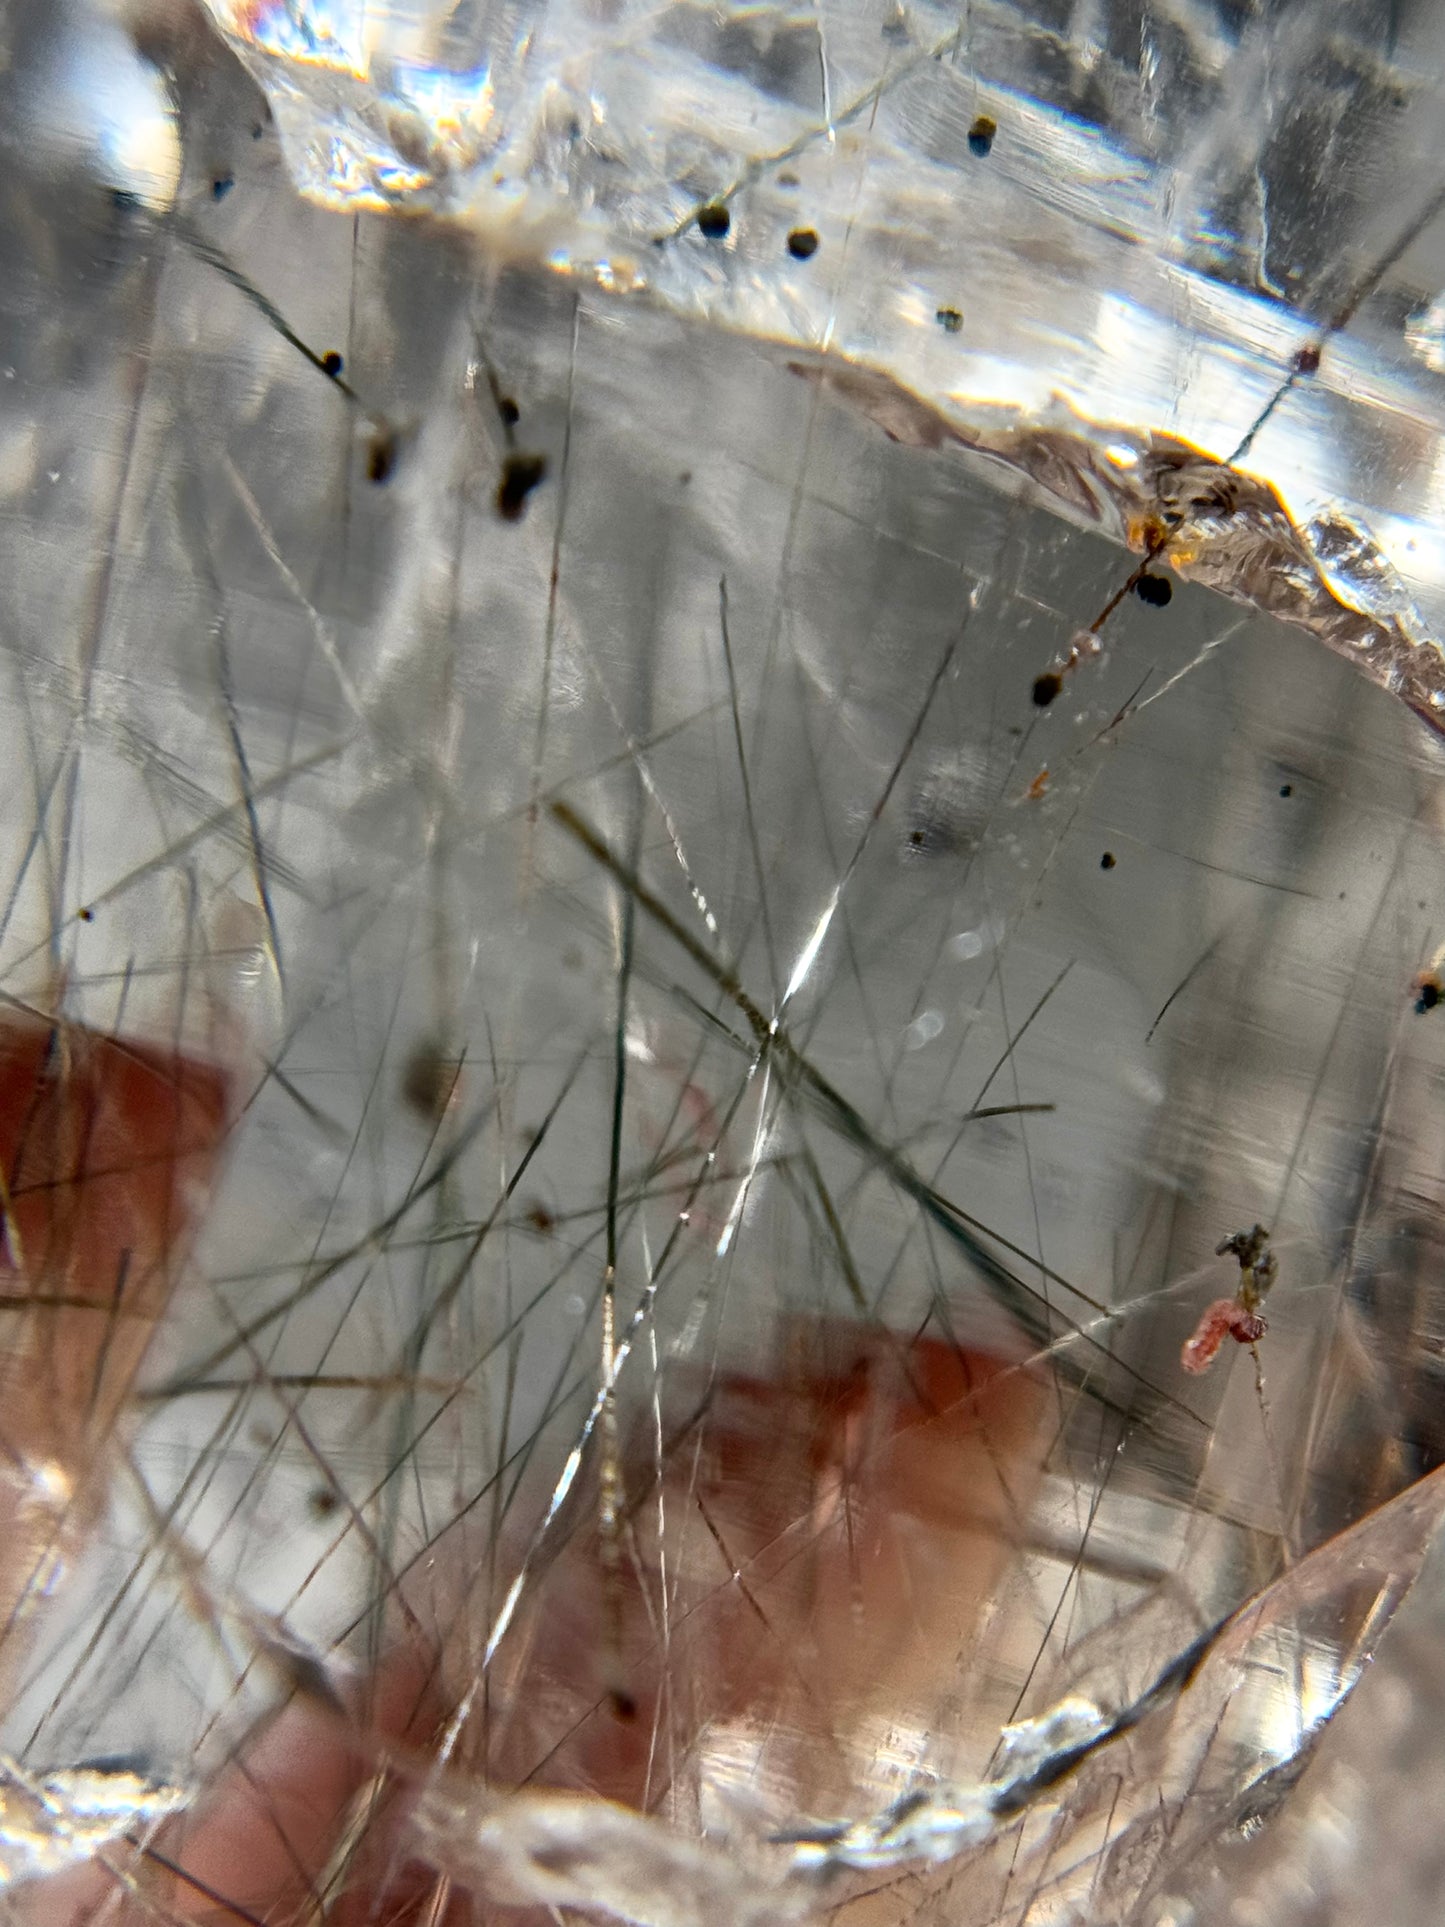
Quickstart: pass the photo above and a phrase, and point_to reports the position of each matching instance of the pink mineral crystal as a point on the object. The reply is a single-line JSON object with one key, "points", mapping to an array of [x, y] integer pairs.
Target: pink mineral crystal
{"points": [[1224, 1315]]}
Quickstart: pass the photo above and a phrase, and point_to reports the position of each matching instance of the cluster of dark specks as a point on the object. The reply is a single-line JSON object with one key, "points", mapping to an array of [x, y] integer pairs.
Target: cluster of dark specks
{"points": [[714, 223], [713, 219]]}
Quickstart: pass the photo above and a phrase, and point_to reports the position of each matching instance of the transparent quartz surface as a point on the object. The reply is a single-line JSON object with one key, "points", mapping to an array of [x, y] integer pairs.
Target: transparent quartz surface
{"points": [[663, 1122], [1096, 242]]}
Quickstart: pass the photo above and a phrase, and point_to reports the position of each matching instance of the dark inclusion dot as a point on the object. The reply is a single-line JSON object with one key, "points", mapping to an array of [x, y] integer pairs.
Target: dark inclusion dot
{"points": [[222, 186], [1307, 361], [1108, 860], [1156, 590], [331, 363], [947, 814], [509, 411], [1428, 998], [713, 221], [381, 456], [1046, 687], [980, 136], [949, 319], [430, 1081], [1286, 789], [802, 244], [520, 475], [939, 826]]}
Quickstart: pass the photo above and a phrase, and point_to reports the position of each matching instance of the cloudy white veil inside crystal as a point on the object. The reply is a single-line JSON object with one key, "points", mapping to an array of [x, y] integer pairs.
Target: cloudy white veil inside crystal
{"points": [[759, 684]]}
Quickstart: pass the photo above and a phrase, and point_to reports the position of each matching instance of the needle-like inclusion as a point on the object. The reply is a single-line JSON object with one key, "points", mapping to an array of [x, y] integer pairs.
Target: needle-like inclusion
{"points": [[551, 1848], [1085, 296], [1211, 521], [1223, 1743]]}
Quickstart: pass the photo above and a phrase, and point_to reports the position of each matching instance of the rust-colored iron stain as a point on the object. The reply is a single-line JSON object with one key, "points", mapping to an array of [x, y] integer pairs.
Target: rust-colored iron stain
{"points": [[108, 1150]]}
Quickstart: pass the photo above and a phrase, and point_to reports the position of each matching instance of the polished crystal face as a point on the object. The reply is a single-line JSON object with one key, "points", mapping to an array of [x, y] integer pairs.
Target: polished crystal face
{"points": [[722, 939]]}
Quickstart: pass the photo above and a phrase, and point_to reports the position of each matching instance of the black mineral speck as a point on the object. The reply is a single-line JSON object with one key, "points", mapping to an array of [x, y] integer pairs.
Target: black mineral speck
{"points": [[1307, 361], [1046, 687], [1108, 860], [802, 244], [381, 456], [950, 320], [1155, 590], [1428, 997], [521, 473], [981, 136], [221, 186], [429, 1081], [713, 221], [1286, 789], [943, 821], [331, 363], [509, 411]]}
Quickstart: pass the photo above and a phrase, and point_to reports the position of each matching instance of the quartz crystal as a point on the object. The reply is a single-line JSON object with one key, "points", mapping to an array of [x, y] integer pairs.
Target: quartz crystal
{"points": [[722, 946]]}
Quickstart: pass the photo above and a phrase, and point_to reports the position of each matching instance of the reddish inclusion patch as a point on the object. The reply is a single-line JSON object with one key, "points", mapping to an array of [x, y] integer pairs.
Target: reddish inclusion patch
{"points": [[108, 1150], [1226, 1316], [833, 1533]]}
